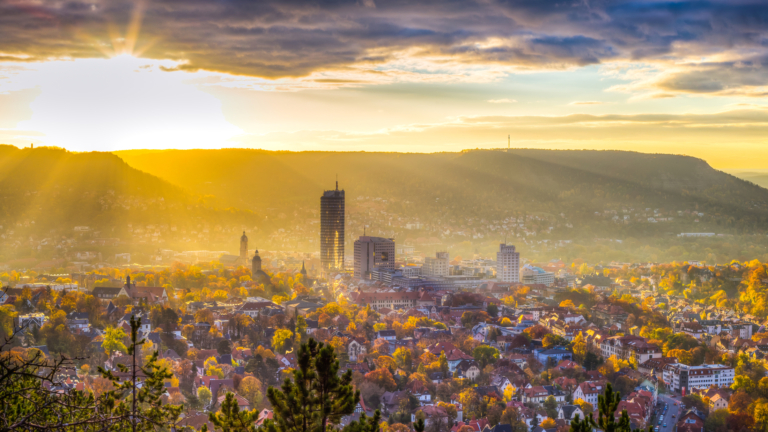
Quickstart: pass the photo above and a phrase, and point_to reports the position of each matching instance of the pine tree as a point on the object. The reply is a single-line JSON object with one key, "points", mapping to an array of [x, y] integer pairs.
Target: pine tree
{"points": [[231, 419], [317, 395], [607, 404]]}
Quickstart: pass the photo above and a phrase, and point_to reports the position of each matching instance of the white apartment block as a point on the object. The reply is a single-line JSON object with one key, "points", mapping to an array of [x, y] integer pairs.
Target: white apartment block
{"points": [[437, 266], [507, 264], [679, 376]]}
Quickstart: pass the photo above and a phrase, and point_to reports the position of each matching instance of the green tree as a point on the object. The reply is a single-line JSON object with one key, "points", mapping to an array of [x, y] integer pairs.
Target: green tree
{"points": [[224, 347], [485, 355], [231, 419], [550, 406], [301, 329], [606, 420], [317, 394]]}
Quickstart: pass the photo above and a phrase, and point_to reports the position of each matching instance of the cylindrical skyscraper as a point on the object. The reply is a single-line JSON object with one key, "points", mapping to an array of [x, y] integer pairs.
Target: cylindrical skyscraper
{"points": [[332, 230]]}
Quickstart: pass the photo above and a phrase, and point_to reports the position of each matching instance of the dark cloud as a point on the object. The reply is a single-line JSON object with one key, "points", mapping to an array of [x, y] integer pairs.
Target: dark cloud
{"points": [[279, 38]]}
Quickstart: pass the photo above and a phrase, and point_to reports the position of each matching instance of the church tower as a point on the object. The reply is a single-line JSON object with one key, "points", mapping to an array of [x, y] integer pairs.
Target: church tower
{"points": [[244, 249], [257, 274], [256, 264]]}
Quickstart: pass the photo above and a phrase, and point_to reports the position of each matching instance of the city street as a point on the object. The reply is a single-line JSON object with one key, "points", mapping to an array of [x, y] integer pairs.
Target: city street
{"points": [[672, 410]]}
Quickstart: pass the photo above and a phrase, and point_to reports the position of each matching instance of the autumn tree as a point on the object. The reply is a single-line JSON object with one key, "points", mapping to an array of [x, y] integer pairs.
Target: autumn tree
{"points": [[281, 340]]}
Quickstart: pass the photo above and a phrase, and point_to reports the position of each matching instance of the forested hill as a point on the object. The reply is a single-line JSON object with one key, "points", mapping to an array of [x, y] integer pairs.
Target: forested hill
{"points": [[47, 189], [481, 183]]}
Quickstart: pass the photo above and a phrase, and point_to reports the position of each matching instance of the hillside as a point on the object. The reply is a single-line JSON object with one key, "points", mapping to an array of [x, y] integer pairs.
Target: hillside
{"points": [[758, 177], [47, 191], [482, 183]]}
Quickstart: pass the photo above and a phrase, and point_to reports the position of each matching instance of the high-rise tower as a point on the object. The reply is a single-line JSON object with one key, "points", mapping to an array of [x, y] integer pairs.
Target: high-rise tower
{"points": [[332, 229], [507, 264]]}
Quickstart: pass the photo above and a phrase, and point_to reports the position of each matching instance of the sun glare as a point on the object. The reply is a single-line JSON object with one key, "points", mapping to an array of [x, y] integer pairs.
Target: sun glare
{"points": [[121, 102]]}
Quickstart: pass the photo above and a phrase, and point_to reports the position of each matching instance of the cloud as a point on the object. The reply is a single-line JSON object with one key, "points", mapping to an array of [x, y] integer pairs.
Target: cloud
{"points": [[501, 101], [290, 39], [586, 103]]}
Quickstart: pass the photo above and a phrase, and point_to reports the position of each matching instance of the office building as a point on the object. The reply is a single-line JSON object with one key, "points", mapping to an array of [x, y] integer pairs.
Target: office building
{"points": [[682, 378], [437, 266], [332, 230], [536, 275], [507, 264], [371, 253]]}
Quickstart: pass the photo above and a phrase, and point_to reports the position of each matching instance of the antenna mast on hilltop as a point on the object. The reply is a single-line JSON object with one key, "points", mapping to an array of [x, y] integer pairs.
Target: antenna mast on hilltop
{"points": [[509, 141]]}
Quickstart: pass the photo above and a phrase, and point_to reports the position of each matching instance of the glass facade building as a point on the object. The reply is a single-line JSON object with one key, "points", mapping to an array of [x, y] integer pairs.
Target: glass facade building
{"points": [[332, 230]]}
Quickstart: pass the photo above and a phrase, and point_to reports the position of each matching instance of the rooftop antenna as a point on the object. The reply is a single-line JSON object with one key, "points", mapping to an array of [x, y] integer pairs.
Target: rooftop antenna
{"points": [[337, 181]]}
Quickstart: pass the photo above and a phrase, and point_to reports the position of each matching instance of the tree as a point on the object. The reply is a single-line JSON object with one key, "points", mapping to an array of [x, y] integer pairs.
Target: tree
{"points": [[224, 347], [509, 392], [317, 394], [250, 388], [301, 329], [717, 421], [492, 310], [548, 423], [29, 402], [281, 340], [606, 420], [471, 402], [579, 347], [443, 363], [113, 340], [550, 340], [739, 402], [204, 395], [695, 401], [591, 361], [514, 418], [485, 355], [204, 315], [450, 410], [494, 414], [550, 406], [403, 358], [585, 406], [382, 378], [231, 419]]}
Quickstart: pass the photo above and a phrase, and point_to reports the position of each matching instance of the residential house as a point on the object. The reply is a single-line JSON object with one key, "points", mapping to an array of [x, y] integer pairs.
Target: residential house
{"points": [[569, 412]]}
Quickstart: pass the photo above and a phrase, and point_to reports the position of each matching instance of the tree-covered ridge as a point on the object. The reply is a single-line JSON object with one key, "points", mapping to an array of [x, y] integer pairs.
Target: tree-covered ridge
{"points": [[542, 180], [44, 189]]}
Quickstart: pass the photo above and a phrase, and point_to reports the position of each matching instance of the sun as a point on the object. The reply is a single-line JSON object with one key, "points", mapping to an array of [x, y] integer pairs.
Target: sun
{"points": [[122, 102]]}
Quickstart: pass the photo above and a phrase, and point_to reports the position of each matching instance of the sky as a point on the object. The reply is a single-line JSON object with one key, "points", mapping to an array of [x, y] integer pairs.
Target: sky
{"points": [[684, 77]]}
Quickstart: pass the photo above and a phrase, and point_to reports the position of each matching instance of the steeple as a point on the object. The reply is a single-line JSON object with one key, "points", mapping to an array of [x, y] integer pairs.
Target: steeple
{"points": [[303, 270]]}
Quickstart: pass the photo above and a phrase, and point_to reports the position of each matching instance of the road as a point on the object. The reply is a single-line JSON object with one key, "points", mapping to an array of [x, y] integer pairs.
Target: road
{"points": [[672, 410]]}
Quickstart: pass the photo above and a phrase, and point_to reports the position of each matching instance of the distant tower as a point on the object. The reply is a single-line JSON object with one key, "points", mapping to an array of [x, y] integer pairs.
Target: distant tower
{"points": [[244, 249], [507, 264], [509, 141], [303, 271], [332, 230], [257, 274]]}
